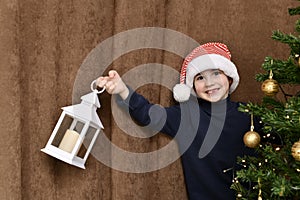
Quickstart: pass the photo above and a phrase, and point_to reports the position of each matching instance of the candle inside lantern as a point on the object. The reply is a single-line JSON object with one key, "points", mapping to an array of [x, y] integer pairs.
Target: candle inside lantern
{"points": [[69, 141]]}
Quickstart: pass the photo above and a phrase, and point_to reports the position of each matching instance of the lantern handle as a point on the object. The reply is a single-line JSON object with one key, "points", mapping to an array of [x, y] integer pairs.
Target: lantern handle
{"points": [[95, 90]]}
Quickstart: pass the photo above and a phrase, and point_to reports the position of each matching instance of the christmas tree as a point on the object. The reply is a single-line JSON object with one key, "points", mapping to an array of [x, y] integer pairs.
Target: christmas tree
{"points": [[274, 173]]}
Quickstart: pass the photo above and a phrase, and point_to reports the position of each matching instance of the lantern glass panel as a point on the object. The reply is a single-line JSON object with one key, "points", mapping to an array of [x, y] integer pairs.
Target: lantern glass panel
{"points": [[68, 123], [87, 141]]}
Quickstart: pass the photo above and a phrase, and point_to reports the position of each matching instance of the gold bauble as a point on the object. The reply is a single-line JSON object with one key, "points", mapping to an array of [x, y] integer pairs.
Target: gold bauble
{"points": [[296, 150], [251, 139], [270, 87]]}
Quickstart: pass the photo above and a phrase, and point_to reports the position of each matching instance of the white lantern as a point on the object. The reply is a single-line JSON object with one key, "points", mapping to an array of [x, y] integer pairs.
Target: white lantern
{"points": [[78, 124]]}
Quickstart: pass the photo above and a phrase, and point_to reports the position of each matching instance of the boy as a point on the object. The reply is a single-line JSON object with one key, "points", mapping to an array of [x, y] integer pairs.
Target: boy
{"points": [[209, 75]]}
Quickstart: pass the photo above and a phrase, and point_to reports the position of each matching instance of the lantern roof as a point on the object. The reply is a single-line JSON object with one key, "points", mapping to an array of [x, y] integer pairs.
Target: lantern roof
{"points": [[86, 110]]}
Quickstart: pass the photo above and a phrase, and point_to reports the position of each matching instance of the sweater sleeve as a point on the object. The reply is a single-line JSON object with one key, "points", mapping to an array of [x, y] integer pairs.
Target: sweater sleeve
{"points": [[155, 117]]}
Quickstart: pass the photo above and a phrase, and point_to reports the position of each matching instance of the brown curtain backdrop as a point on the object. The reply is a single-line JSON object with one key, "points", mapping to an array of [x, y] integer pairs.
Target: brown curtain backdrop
{"points": [[42, 46]]}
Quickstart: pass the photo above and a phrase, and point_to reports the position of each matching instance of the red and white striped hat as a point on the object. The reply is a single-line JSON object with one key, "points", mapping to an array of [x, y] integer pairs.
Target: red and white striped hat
{"points": [[212, 55]]}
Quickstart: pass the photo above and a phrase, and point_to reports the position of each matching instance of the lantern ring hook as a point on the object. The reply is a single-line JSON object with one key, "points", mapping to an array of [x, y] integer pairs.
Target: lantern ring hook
{"points": [[95, 90]]}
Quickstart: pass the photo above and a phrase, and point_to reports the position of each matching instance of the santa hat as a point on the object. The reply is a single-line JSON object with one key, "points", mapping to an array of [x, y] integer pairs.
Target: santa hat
{"points": [[211, 55]]}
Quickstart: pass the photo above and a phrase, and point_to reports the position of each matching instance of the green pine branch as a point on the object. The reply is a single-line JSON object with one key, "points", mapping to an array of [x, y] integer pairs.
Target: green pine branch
{"points": [[277, 116], [294, 11], [279, 178], [284, 72], [291, 40]]}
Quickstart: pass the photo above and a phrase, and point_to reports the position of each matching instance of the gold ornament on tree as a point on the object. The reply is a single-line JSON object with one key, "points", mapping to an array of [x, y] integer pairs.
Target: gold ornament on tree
{"points": [[270, 86], [251, 138], [296, 150]]}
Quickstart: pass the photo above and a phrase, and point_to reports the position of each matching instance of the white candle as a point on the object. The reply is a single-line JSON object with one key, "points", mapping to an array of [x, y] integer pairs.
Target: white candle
{"points": [[69, 141]]}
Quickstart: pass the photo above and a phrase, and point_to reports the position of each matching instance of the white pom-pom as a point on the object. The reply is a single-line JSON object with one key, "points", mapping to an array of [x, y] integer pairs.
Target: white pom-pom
{"points": [[181, 92]]}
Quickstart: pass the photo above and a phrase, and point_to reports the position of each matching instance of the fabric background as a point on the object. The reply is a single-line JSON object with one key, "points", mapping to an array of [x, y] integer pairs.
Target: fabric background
{"points": [[42, 45]]}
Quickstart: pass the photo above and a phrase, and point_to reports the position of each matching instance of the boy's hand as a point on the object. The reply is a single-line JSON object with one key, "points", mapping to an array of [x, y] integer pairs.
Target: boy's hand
{"points": [[113, 84]]}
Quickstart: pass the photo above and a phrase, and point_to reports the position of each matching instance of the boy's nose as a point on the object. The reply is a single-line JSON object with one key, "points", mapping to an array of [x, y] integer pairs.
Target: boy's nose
{"points": [[209, 81]]}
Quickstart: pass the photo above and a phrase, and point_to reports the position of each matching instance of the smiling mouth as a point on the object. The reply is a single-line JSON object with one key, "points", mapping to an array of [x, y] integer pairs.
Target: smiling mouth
{"points": [[211, 91]]}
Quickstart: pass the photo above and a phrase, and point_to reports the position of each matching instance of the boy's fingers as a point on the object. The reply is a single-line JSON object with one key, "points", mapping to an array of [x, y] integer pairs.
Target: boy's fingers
{"points": [[111, 87], [112, 73], [108, 84], [101, 81]]}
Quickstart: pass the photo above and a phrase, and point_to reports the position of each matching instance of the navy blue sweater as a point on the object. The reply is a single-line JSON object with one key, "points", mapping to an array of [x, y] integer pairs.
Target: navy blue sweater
{"points": [[209, 137]]}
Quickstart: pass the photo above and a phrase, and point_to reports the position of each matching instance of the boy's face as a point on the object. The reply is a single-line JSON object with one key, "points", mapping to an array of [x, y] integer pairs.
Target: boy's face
{"points": [[211, 85]]}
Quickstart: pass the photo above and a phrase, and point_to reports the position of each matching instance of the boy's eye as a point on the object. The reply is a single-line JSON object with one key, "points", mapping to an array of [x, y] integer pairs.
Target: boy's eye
{"points": [[216, 73], [199, 77]]}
